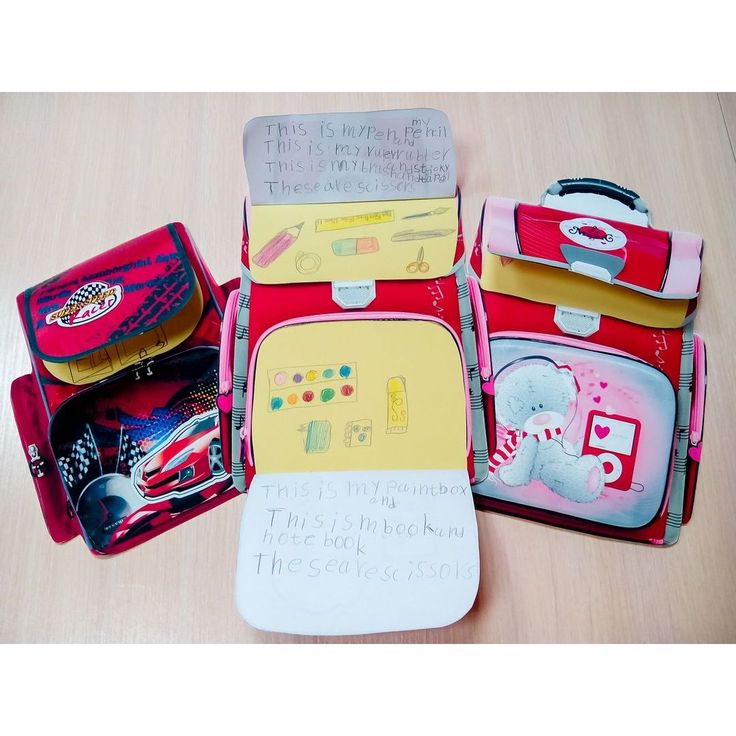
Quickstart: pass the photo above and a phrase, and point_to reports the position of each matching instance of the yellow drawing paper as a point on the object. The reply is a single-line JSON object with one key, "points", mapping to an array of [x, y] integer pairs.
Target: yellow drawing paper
{"points": [[359, 395], [559, 286], [108, 361], [347, 241]]}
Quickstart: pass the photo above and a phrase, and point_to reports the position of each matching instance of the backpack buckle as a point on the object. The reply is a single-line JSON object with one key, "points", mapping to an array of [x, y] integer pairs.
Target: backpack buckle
{"points": [[578, 322], [353, 294]]}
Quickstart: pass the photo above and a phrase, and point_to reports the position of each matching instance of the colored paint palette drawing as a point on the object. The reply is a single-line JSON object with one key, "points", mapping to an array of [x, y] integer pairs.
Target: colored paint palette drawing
{"points": [[312, 385]]}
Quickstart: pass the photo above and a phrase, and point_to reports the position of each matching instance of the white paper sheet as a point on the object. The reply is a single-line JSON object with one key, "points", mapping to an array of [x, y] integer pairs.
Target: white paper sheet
{"points": [[357, 552], [349, 157]]}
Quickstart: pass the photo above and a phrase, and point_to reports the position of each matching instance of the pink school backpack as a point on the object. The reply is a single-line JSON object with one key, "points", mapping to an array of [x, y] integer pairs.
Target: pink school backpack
{"points": [[593, 379]]}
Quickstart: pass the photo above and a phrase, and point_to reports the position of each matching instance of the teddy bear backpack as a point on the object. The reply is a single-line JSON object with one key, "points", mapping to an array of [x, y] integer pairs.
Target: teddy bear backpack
{"points": [[593, 379]]}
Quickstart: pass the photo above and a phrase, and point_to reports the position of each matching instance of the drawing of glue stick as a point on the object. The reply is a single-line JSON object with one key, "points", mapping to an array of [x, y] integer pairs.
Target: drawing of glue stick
{"points": [[398, 409], [354, 246], [277, 245]]}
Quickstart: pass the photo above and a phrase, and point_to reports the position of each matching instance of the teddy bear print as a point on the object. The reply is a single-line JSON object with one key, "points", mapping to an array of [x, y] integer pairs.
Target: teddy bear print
{"points": [[532, 400]]}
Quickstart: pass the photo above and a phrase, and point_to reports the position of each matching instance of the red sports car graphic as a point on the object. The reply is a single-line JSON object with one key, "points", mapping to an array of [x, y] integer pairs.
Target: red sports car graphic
{"points": [[191, 457], [184, 472]]}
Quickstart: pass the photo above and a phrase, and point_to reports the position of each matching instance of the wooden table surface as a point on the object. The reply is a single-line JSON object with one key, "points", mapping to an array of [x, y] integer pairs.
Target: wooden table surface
{"points": [[80, 173]]}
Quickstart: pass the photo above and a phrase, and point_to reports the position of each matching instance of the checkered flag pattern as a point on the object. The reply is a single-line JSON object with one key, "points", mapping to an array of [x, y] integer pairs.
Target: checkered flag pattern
{"points": [[83, 462], [129, 453], [82, 296]]}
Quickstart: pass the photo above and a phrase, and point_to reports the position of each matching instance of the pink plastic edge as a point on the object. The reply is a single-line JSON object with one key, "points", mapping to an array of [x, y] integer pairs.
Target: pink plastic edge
{"points": [[225, 372], [481, 330], [342, 318], [499, 227], [697, 412], [683, 275]]}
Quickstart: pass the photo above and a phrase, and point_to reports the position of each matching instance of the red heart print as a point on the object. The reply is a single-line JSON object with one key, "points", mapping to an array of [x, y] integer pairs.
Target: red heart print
{"points": [[604, 384], [597, 399], [602, 432]]}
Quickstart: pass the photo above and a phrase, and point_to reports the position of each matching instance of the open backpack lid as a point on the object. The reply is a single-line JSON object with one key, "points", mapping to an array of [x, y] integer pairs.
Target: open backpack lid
{"points": [[360, 516], [350, 196], [658, 263], [142, 296]]}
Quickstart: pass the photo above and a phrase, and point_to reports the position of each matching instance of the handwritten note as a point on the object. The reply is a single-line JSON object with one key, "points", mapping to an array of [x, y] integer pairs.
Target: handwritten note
{"points": [[349, 157], [357, 552]]}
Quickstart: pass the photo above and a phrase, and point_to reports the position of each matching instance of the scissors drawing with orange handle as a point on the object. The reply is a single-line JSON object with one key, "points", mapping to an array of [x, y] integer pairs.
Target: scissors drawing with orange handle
{"points": [[420, 265]]}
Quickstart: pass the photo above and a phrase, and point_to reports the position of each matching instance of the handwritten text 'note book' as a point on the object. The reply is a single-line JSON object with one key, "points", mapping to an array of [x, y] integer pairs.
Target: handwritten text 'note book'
{"points": [[360, 517], [357, 552]]}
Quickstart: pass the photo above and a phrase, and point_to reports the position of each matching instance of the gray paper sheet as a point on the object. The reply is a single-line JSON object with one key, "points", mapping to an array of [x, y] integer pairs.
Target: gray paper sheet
{"points": [[349, 157]]}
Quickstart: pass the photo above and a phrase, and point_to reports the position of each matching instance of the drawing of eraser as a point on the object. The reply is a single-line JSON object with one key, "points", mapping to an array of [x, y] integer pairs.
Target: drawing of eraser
{"points": [[354, 246]]}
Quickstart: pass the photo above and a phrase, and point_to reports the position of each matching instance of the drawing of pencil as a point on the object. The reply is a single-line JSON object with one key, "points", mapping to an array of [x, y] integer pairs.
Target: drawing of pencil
{"points": [[407, 235], [436, 211], [277, 245]]}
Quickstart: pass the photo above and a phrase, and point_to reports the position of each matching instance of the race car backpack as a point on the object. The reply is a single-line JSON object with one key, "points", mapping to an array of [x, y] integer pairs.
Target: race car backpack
{"points": [[352, 348], [118, 418], [593, 380]]}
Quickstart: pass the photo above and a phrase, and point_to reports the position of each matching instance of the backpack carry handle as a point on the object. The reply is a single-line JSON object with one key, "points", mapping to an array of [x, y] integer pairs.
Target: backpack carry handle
{"points": [[601, 187]]}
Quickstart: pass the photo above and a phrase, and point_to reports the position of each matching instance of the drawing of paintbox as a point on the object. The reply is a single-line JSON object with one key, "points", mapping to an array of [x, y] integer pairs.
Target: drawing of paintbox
{"points": [[317, 438]]}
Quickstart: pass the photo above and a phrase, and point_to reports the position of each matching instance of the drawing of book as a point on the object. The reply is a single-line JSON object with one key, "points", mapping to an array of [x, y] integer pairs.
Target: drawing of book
{"points": [[318, 433]]}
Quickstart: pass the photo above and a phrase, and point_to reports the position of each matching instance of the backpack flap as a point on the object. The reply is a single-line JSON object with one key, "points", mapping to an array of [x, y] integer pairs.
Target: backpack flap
{"points": [[589, 265], [127, 305], [352, 241]]}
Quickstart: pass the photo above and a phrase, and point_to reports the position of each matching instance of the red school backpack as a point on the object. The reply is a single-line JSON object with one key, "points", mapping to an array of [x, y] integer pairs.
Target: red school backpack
{"points": [[258, 310], [593, 380], [118, 417], [349, 377]]}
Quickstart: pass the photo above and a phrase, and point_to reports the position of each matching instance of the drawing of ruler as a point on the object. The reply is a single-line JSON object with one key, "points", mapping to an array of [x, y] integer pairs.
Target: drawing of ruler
{"points": [[348, 221]]}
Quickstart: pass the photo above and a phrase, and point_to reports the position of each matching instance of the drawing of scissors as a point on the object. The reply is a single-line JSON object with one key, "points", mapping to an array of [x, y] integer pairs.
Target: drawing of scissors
{"points": [[420, 265]]}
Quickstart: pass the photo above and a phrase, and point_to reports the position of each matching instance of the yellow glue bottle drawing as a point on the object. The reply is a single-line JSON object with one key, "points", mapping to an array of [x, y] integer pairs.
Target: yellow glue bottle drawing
{"points": [[398, 409]]}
